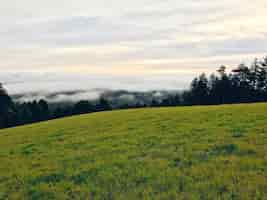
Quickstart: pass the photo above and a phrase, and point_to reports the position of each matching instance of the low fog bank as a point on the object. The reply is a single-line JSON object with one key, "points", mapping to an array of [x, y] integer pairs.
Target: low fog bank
{"points": [[58, 87], [35, 82], [117, 98], [57, 97]]}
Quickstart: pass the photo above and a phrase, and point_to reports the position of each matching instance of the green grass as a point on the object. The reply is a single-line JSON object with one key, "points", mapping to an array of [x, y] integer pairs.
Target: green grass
{"points": [[213, 152]]}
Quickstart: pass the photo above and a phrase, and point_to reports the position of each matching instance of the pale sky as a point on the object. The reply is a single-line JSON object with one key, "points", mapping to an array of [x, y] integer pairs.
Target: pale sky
{"points": [[124, 44]]}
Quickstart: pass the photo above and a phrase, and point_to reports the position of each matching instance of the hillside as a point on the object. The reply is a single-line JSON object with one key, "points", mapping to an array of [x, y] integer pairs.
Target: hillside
{"points": [[212, 152]]}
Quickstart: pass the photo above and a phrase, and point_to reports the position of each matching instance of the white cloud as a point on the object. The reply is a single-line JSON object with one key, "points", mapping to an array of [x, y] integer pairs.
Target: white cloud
{"points": [[141, 38]]}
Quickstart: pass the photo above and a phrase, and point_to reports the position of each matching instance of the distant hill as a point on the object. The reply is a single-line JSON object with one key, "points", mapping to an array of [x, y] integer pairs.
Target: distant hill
{"points": [[202, 152]]}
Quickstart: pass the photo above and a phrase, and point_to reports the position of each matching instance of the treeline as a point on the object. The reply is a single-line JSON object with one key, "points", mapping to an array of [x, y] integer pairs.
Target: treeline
{"points": [[243, 85], [14, 114]]}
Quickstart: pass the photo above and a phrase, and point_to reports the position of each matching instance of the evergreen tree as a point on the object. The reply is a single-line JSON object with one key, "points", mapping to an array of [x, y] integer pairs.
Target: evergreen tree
{"points": [[83, 107], [199, 90], [103, 105], [7, 111]]}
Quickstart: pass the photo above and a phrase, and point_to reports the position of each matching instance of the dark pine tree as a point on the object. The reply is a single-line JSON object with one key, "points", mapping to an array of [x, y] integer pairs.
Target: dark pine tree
{"points": [[83, 107], [7, 110]]}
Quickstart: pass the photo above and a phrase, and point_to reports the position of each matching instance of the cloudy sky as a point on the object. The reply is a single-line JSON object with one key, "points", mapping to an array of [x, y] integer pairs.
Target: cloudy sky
{"points": [[124, 44]]}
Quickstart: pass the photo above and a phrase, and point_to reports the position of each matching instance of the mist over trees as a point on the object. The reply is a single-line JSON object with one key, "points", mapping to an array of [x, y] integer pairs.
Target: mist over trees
{"points": [[244, 84]]}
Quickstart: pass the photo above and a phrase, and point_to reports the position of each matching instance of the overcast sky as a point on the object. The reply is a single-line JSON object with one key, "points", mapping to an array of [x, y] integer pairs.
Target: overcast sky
{"points": [[125, 44]]}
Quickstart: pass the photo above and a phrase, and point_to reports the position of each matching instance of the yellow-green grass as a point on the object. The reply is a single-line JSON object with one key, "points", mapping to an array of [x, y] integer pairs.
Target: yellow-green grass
{"points": [[209, 152]]}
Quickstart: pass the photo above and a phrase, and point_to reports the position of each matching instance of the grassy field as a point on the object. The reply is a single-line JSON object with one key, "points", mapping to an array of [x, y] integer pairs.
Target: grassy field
{"points": [[215, 152]]}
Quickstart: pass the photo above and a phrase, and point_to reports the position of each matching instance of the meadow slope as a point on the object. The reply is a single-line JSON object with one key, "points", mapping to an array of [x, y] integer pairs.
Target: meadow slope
{"points": [[209, 152]]}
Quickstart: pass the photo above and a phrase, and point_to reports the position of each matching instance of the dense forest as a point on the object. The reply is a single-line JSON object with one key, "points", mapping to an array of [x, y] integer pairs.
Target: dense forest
{"points": [[242, 85]]}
